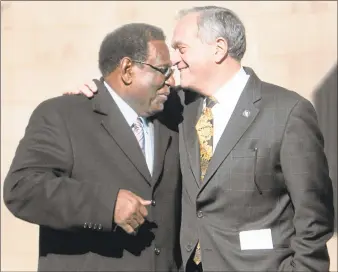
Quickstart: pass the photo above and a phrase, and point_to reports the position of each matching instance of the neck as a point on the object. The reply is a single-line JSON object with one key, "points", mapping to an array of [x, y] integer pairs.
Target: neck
{"points": [[220, 76]]}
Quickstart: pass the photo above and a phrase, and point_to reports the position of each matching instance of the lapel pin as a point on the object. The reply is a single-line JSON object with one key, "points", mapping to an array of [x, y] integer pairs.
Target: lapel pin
{"points": [[246, 113]]}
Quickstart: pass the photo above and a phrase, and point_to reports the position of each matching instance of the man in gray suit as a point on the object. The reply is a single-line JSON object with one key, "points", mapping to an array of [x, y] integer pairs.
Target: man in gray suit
{"points": [[101, 177], [256, 189]]}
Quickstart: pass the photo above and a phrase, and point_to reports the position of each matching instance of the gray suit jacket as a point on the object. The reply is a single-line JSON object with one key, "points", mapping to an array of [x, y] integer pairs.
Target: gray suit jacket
{"points": [[75, 156], [268, 171]]}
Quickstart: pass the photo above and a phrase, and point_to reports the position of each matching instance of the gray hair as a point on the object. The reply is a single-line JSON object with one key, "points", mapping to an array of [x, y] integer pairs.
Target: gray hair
{"points": [[214, 22]]}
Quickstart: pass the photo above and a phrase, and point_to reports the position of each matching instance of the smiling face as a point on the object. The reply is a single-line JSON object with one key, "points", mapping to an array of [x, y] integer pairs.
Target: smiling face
{"points": [[192, 57], [149, 88]]}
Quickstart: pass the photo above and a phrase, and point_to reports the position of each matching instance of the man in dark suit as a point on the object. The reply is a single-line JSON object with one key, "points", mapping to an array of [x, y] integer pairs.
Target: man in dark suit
{"points": [[256, 190], [101, 176]]}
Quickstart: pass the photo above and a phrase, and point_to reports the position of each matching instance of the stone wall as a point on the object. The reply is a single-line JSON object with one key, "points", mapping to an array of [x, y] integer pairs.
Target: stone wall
{"points": [[48, 47]]}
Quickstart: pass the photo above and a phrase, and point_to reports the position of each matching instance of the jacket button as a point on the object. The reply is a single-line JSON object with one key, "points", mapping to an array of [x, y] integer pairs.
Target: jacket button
{"points": [[153, 203], [199, 214], [85, 225], [188, 247], [157, 251]]}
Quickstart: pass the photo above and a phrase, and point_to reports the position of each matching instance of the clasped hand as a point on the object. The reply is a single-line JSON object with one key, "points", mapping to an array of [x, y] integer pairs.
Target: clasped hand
{"points": [[130, 211]]}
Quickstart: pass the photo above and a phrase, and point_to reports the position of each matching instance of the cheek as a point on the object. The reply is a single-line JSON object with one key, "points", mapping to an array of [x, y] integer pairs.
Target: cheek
{"points": [[193, 60], [148, 89], [200, 66], [147, 82]]}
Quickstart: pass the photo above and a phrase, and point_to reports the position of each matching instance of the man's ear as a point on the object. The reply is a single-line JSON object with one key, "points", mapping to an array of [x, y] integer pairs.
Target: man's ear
{"points": [[221, 50], [126, 67]]}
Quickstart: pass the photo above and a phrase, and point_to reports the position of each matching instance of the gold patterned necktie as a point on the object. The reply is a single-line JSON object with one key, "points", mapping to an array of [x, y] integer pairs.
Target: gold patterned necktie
{"points": [[205, 132]]}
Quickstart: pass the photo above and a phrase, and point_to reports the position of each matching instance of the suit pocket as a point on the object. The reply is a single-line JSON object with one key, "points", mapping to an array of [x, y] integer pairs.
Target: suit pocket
{"points": [[260, 152], [247, 167], [242, 153]]}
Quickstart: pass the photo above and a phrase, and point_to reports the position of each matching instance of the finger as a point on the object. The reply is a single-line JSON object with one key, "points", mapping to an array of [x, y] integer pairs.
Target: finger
{"points": [[86, 91], [142, 201], [145, 202], [143, 211], [92, 86], [133, 223], [128, 229], [77, 91], [139, 218]]}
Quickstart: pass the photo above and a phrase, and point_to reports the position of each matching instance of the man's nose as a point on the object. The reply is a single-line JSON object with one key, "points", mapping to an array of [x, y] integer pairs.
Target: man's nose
{"points": [[170, 81]]}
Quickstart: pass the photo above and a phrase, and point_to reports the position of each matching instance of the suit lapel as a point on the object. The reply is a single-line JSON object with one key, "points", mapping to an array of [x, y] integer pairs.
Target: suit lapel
{"points": [[117, 127], [161, 141], [244, 114], [192, 112]]}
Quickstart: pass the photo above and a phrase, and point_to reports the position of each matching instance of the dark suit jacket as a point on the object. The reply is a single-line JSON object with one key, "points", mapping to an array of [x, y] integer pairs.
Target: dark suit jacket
{"points": [[268, 171], [75, 156], [326, 105]]}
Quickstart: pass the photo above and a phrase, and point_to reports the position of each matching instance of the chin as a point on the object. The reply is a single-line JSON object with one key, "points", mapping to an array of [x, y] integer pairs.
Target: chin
{"points": [[156, 109]]}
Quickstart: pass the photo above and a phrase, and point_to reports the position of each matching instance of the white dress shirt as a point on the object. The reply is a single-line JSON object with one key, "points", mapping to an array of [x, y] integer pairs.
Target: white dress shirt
{"points": [[130, 115], [227, 97]]}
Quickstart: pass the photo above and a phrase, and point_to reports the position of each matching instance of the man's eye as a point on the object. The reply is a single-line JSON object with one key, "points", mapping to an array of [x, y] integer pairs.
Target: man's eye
{"points": [[182, 50], [164, 69]]}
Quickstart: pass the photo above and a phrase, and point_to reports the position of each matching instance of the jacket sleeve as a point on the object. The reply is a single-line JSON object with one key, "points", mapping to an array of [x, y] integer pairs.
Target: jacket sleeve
{"points": [[306, 174], [39, 187]]}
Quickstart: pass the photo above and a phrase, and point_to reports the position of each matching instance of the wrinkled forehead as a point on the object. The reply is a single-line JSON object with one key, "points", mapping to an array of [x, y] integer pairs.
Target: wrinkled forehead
{"points": [[186, 29], [158, 52]]}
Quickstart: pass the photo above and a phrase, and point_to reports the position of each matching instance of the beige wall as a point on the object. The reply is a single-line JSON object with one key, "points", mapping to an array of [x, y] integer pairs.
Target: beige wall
{"points": [[50, 47]]}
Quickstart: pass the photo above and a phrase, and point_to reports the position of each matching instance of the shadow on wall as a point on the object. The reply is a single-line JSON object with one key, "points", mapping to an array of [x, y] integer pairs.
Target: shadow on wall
{"points": [[325, 102]]}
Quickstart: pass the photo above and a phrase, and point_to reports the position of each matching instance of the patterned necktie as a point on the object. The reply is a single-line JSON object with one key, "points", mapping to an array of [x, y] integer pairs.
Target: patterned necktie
{"points": [[205, 132], [139, 133]]}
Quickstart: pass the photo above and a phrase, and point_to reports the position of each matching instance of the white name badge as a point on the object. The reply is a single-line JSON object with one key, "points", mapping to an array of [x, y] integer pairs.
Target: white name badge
{"points": [[256, 239]]}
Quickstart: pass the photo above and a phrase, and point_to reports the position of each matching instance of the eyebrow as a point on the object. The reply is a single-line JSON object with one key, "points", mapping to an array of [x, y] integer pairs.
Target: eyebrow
{"points": [[161, 63], [164, 65], [176, 44]]}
